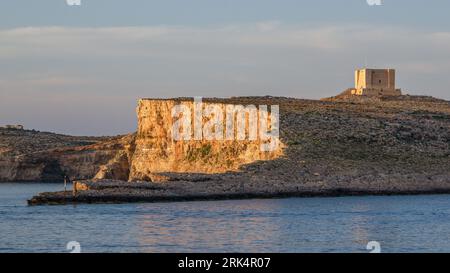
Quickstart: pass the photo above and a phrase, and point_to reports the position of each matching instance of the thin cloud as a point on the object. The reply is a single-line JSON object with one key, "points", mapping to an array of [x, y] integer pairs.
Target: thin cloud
{"points": [[42, 41]]}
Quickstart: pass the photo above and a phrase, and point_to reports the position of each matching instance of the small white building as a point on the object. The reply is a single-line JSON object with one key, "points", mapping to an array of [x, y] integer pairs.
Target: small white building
{"points": [[16, 127]]}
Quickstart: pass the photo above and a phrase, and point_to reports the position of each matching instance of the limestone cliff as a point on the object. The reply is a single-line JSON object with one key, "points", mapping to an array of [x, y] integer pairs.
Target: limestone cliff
{"points": [[158, 152]]}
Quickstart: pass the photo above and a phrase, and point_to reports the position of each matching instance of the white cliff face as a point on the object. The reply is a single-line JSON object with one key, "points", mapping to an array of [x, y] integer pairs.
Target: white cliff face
{"points": [[158, 151]]}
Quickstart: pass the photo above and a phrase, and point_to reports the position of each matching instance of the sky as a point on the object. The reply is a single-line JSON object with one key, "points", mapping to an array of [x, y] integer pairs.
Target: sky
{"points": [[81, 69]]}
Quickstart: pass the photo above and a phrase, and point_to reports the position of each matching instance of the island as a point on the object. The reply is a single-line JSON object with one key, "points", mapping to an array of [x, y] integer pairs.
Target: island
{"points": [[361, 142]]}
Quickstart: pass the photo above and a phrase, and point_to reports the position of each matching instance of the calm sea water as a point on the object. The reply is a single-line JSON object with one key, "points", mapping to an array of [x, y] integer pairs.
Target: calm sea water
{"points": [[347, 224]]}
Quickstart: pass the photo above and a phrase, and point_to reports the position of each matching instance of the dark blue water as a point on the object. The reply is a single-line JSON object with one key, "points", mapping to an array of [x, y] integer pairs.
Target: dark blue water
{"points": [[399, 224]]}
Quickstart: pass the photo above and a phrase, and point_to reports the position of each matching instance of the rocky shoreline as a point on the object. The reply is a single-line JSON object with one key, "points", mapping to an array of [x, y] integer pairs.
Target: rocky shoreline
{"points": [[61, 199], [332, 147], [114, 192]]}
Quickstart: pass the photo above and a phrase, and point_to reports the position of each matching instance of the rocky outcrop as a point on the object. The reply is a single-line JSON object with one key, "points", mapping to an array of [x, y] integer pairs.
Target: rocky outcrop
{"points": [[157, 151], [138, 157], [388, 145], [337, 146], [106, 159], [45, 157]]}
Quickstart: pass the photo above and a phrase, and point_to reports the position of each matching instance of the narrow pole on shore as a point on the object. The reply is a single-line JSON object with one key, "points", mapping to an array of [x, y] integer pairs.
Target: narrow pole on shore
{"points": [[74, 190]]}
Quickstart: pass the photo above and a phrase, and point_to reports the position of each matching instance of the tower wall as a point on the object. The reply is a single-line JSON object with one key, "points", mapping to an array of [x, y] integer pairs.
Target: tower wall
{"points": [[375, 82]]}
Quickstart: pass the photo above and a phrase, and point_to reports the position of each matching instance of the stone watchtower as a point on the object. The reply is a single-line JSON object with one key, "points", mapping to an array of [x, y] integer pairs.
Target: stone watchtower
{"points": [[375, 82]]}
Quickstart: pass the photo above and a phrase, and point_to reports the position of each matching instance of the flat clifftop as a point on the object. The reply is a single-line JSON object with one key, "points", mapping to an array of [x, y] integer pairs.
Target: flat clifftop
{"points": [[244, 100]]}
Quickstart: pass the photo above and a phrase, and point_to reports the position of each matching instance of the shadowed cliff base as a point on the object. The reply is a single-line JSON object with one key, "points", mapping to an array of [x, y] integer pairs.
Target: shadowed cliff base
{"points": [[341, 145]]}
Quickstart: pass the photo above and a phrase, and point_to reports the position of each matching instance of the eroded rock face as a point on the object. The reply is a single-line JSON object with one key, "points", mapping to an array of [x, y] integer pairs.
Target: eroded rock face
{"points": [[21, 169], [45, 157], [104, 160], [157, 151], [117, 168]]}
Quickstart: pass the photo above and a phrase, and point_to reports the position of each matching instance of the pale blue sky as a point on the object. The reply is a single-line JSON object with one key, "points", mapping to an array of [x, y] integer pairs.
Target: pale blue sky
{"points": [[80, 70], [95, 13]]}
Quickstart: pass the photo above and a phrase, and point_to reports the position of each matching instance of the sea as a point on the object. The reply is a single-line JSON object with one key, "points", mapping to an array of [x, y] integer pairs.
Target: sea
{"points": [[391, 224]]}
